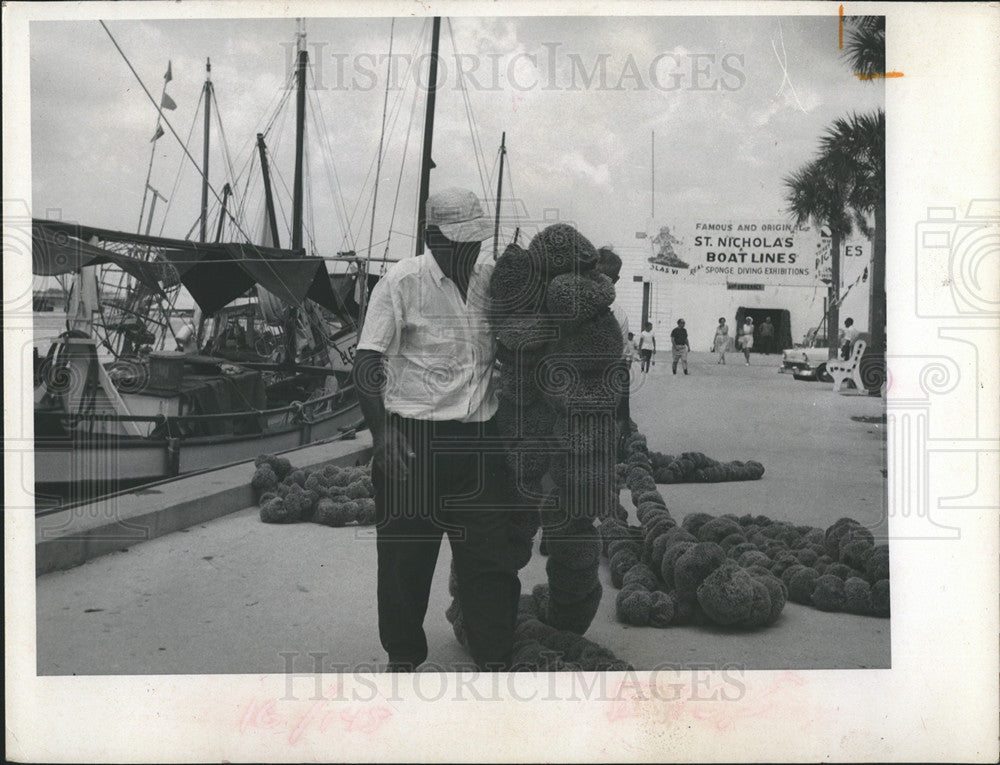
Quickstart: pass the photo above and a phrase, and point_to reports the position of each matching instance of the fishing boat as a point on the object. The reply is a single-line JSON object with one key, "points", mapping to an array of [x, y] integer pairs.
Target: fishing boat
{"points": [[130, 394], [133, 392]]}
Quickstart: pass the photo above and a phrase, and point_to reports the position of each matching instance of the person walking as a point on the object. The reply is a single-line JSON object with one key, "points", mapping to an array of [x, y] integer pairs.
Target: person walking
{"points": [[746, 338], [679, 346], [647, 347], [427, 332], [720, 342], [767, 336]]}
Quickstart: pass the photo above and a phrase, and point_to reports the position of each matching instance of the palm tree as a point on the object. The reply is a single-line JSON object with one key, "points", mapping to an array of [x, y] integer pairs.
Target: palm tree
{"points": [[865, 47], [857, 143], [820, 192], [865, 53]]}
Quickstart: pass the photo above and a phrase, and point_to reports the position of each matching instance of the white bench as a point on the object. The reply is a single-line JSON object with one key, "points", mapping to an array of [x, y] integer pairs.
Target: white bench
{"points": [[847, 370]]}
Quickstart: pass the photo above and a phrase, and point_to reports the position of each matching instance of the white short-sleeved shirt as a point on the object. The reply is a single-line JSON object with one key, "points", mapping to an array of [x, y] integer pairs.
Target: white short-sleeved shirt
{"points": [[622, 318], [439, 349]]}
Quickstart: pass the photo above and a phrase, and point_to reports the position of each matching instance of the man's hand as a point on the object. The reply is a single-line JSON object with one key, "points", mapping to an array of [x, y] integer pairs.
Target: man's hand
{"points": [[392, 454]]}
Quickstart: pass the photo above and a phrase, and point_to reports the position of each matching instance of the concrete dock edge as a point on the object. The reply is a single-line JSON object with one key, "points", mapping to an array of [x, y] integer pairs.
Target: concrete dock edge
{"points": [[73, 536]]}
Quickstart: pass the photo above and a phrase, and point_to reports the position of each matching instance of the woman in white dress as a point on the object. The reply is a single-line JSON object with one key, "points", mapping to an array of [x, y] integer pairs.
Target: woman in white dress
{"points": [[721, 342], [746, 338]]}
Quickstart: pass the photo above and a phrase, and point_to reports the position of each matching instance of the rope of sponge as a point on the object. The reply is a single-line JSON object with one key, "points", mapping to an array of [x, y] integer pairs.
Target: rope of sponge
{"points": [[695, 467], [733, 571], [559, 348]]}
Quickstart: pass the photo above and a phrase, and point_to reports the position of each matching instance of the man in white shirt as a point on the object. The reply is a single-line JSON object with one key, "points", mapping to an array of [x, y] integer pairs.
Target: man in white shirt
{"points": [[424, 375]]}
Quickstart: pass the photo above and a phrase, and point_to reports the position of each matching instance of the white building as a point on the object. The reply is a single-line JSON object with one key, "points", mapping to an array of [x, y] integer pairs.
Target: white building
{"points": [[701, 305]]}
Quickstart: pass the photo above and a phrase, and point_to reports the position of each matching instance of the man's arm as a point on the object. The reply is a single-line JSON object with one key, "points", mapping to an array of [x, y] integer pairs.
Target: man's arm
{"points": [[390, 450]]}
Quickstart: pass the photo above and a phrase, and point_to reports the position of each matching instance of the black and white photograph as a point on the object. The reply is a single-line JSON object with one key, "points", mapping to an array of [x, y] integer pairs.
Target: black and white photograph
{"points": [[633, 369]]}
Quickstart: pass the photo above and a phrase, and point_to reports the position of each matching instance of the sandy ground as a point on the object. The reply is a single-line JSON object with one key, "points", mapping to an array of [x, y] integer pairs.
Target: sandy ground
{"points": [[238, 596]]}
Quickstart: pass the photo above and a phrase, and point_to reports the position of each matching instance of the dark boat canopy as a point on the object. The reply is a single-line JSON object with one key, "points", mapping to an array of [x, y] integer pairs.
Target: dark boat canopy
{"points": [[214, 274], [217, 274], [57, 250]]}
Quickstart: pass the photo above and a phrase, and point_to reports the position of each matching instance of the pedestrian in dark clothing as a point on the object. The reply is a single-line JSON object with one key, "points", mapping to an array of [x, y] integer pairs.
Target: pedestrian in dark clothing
{"points": [[766, 334], [679, 346]]}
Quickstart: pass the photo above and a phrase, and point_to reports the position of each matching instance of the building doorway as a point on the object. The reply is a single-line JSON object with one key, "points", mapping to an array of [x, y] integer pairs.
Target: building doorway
{"points": [[780, 318]]}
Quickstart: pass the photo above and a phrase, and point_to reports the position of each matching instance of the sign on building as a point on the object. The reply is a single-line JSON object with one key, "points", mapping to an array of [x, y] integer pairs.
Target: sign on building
{"points": [[773, 253]]}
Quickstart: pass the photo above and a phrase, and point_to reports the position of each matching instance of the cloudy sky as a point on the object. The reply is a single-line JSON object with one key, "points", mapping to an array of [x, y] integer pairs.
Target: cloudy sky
{"points": [[735, 103]]}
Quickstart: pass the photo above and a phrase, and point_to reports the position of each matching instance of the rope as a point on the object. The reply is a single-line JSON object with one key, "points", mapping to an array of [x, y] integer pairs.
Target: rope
{"points": [[395, 111], [149, 169], [843, 296], [250, 146], [276, 174], [180, 169], [399, 183], [336, 194], [252, 162], [225, 147], [510, 187], [201, 171], [477, 148], [159, 109], [381, 144], [309, 198], [222, 134]]}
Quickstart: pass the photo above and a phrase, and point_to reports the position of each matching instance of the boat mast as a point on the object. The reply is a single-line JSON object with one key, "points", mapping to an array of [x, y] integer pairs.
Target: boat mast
{"points": [[300, 124], [152, 206], [426, 163], [227, 191], [265, 170], [496, 226], [202, 231]]}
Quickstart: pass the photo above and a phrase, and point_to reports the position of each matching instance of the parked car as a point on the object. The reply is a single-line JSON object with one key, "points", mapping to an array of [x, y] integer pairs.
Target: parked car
{"points": [[807, 361]]}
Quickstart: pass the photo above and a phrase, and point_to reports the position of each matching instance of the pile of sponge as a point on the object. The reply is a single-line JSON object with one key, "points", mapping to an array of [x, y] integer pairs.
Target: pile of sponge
{"points": [[332, 495], [734, 571]]}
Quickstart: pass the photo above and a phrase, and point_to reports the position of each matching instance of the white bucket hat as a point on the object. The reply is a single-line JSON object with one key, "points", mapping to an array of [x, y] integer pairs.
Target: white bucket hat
{"points": [[459, 215]]}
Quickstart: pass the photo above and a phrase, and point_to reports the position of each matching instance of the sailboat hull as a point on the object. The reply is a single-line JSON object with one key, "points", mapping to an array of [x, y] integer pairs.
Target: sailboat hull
{"points": [[88, 465]]}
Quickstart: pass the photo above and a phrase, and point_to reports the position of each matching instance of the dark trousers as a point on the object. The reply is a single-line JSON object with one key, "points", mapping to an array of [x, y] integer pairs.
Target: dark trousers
{"points": [[623, 414], [454, 486]]}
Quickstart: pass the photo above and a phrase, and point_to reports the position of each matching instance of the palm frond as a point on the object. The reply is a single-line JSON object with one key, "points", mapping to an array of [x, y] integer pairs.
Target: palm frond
{"points": [[857, 144], [865, 46], [819, 192]]}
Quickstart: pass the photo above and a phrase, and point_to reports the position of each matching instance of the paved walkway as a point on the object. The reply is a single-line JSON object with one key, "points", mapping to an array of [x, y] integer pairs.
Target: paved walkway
{"points": [[238, 596]]}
